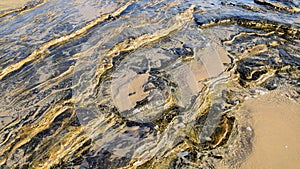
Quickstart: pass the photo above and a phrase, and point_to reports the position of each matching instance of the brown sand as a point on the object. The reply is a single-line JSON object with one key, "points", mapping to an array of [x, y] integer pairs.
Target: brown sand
{"points": [[276, 124], [11, 4]]}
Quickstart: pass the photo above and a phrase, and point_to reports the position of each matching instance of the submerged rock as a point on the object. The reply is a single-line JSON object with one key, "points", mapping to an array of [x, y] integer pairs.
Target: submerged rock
{"points": [[109, 84]]}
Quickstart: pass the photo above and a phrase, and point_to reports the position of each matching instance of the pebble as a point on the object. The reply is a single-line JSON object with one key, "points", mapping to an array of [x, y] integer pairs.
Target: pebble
{"points": [[249, 128]]}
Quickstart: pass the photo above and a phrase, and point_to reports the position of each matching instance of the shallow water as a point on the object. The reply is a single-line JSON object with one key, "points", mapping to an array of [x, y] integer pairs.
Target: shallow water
{"points": [[146, 84]]}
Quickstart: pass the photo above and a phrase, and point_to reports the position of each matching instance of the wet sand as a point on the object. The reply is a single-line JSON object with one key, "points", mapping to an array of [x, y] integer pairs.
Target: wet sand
{"points": [[9, 4], [276, 124]]}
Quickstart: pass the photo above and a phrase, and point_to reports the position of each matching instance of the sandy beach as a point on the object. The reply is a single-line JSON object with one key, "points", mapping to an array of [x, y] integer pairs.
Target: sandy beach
{"points": [[9, 4], [276, 124]]}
